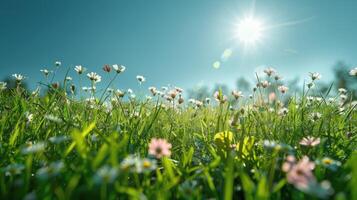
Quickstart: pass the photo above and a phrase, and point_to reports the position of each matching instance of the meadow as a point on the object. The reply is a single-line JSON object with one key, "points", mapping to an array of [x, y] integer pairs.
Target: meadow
{"points": [[71, 142]]}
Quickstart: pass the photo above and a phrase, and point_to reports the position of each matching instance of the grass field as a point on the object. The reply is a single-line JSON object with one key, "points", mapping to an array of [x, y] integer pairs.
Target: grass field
{"points": [[114, 145]]}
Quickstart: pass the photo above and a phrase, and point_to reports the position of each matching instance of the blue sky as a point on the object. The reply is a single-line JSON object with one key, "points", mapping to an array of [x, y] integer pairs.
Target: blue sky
{"points": [[175, 42]]}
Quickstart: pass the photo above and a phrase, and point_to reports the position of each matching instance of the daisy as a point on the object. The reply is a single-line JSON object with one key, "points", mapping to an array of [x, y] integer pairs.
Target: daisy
{"points": [[159, 148], [58, 63], [3, 85], [18, 77], [173, 93], [153, 90], [79, 69], [269, 71], [141, 79], [315, 76], [300, 174], [310, 141], [342, 90], [265, 84], [219, 97], [283, 89], [119, 68], [315, 116], [353, 72], [45, 72], [94, 77], [237, 94]]}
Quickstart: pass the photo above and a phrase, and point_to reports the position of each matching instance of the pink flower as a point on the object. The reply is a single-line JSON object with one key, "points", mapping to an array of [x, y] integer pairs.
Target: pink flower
{"points": [[310, 141], [299, 174], [159, 147]]}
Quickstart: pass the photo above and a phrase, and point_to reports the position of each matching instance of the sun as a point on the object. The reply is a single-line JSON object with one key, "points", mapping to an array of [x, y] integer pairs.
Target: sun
{"points": [[249, 30]]}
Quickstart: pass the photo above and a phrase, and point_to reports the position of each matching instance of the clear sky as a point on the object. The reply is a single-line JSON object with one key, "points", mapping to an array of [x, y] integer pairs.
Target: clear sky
{"points": [[175, 41]]}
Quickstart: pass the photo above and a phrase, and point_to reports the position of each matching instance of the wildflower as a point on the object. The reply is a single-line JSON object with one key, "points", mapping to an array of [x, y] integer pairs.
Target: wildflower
{"points": [[300, 174], [272, 96], [119, 68], [107, 68], [283, 111], [68, 78], [180, 100], [283, 89], [265, 84], [315, 116], [3, 86], [18, 77], [153, 90], [315, 76], [58, 139], [269, 71], [343, 97], [141, 79], [55, 85], [79, 69], [129, 163], [342, 90], [94, 77], [45, 72], [33, 148], [29, 117], [146, 165], [51, 170], [198, 103], [220, 97], [237, 94], [179, 90], [309, 141], [53, 118], [106, 174], [310, 85], [353, 72], [159, 148], [14, 169], [58, 63], [73, 88], [119, 93], [172, 93], [278, 77], [329, 163]]}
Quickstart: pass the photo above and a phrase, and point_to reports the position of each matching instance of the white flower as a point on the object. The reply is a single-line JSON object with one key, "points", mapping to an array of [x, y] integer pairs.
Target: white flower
{"points": [[33, 148], [79, 69], [94, 77], [153, 90], [265, 84], [119, 68], [58, 63], [18, 77], [68, 78], [45, 72], [353, 72], [3, 85], [140, 78], [130, 91], [283, 111], [315, 76], [342, 90], [237, 94], [269, 71], [283, 89], [315, 116]]}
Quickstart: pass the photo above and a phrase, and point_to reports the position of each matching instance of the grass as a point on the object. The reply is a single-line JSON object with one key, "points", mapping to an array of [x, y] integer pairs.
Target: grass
{"points": [[58, 147]]}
